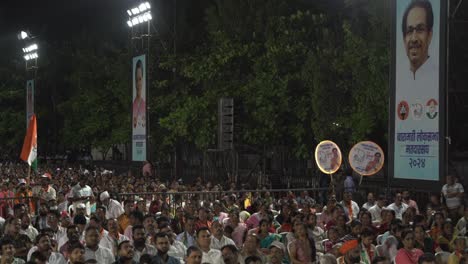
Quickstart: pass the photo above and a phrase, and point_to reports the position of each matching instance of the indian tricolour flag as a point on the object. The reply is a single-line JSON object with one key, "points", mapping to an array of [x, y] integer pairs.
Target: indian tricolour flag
{"points": [[29, 151]]}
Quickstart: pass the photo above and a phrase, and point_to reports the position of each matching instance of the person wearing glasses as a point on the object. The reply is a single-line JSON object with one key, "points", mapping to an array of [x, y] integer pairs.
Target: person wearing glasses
{"points": [[417, 24]]}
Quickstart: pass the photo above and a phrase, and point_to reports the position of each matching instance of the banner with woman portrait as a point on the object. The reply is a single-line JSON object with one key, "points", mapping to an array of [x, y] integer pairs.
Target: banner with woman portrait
{"points": [[139, 108]]}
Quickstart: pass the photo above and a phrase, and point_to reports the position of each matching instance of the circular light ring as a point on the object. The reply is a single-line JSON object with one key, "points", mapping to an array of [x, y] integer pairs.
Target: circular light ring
{"points": [[328, 157]]}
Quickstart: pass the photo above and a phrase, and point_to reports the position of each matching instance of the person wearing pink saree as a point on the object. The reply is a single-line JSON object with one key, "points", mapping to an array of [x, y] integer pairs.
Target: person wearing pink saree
{"points": [[254, 220], [408, 254]]}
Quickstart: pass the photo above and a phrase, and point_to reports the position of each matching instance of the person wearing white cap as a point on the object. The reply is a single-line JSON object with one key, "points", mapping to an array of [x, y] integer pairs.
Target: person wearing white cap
{"points": [[113, 208], [80, 209], [277, 253], [45, 191]]}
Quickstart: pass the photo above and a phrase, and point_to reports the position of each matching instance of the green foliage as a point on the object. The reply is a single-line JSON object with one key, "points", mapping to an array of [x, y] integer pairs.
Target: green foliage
{"points": [[96, 113], [297, 74], [13, 114]]}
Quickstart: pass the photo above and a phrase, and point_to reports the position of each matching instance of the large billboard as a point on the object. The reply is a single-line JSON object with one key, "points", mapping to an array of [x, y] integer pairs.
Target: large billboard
{"points": [[139, 108], [418, 97], [29, 100]]}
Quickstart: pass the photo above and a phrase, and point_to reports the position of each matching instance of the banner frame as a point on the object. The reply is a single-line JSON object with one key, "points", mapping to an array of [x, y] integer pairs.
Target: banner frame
{"points": [[144, 55], [434, 185]]}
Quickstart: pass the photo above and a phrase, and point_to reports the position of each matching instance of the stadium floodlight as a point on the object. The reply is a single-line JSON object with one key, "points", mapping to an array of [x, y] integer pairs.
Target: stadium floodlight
{"points": [[135, 11], [30, 52], [134, 21], [30, 48], [31, 56], [139, 14], [142, 7], [142, 17]]}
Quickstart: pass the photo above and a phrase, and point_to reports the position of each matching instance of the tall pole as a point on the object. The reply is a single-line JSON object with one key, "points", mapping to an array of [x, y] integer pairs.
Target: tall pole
{"points": [[447, 140], [148, 99], [390, 105]]}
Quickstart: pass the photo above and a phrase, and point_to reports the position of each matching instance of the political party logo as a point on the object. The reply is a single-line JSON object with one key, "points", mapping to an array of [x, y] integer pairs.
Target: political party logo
{"points": [[417, 110], [403, 110], [432, 108]]}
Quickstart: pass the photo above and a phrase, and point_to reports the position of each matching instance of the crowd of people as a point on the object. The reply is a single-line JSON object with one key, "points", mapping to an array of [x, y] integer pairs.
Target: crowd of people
{"points": [[72, 215]]}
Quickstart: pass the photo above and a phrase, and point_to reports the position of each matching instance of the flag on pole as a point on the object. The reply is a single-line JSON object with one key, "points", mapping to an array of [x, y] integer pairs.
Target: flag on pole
{"points": [[29, 151]]}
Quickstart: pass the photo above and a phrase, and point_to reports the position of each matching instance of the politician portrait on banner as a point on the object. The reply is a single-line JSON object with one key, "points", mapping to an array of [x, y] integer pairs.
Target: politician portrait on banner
{"points": [[139, 108], [416, 138]]}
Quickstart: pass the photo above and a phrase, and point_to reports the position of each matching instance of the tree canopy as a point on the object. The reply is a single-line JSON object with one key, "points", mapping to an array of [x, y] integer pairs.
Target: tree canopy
{"points": [[299, 72]]}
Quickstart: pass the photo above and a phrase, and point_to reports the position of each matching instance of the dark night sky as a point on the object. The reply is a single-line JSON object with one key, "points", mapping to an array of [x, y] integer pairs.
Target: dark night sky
{"points": [[58, 20]]}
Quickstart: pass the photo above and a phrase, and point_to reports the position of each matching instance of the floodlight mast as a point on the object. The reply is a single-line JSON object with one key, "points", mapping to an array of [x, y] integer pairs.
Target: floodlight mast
{"points": [[30, 50], [30, 55], [139, 14]]}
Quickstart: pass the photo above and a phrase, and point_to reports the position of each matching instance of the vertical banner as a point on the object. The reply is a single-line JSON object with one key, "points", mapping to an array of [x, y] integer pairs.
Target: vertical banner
{"points": [[29, 100], [139, 108], [418, 79]]}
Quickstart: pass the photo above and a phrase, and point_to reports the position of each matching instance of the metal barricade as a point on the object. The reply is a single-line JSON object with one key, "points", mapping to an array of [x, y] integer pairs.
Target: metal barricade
{"points": [[198, 198]]}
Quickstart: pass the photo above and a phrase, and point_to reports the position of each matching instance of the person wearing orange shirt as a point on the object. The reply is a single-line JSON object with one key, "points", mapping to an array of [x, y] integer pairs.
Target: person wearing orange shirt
{"points": [[23, 195], [124, 219]]}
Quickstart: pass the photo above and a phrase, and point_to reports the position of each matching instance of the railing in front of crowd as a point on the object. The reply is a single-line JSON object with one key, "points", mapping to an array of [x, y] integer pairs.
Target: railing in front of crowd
{"points": [[180, 199], [320, 196], [172, 200]]}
